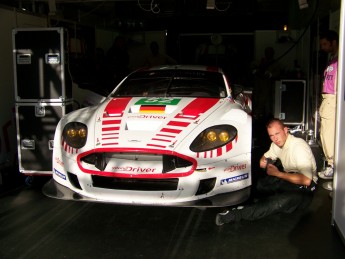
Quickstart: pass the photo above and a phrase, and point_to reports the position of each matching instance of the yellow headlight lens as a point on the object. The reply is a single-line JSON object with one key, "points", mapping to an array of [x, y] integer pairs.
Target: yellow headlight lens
{"points": [[71, 133], [224, 136], [212, 136], [82, 133], [75, 134]]}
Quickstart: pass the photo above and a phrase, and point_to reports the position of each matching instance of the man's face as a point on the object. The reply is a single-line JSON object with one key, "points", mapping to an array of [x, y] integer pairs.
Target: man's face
{"points": [[277, 134], [327, 46]]}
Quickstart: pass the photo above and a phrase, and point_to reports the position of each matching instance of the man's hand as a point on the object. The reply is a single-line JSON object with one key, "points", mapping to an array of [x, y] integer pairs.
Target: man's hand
{"points": [[263, 162], [272, 170]]}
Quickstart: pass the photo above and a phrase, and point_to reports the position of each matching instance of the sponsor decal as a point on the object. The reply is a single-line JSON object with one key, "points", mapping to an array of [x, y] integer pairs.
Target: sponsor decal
{"points": [[158, 101], [234, 179], [237, 167], [133, 169], [61, 175], [160, 117], [59, 161], [152, 109]]}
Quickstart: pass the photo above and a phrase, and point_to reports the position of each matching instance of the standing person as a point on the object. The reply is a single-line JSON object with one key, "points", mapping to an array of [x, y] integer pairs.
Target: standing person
{"points": [[156, 58], [285, 190], [329, 44]]}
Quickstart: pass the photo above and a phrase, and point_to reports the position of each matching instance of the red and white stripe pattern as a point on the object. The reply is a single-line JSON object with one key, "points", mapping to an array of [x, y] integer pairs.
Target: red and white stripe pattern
{"points": [[182, 120], [217, 152], [111, 121], [167, 135], [67, 148]]}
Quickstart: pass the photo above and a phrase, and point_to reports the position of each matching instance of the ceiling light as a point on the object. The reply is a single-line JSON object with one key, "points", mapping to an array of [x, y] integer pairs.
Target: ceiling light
{"points": [[210, 5], [52, 7], [303, 4]]}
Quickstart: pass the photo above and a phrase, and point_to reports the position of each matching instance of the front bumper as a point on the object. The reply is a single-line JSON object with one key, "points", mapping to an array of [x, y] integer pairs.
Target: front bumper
{"points": [[53, 189]]}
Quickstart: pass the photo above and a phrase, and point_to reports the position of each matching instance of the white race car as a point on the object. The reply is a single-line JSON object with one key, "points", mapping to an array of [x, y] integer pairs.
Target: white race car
{"points": [[166, 136]]}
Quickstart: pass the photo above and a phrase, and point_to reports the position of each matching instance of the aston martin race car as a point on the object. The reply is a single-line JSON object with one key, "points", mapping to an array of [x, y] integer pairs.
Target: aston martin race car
{"points": [[165, 136]]}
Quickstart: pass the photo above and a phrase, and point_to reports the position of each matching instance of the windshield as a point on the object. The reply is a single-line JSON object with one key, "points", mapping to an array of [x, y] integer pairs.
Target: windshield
{"points": [[171, 83]]}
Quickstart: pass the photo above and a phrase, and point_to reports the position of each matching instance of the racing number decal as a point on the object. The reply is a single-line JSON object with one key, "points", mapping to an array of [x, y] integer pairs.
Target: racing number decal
{"points": [[158, 101]]}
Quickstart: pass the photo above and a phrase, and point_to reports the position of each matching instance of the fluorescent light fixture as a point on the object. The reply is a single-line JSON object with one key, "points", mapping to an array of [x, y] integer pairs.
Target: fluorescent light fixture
{"points": [[303, 4], [52, 7], [210, 5]]}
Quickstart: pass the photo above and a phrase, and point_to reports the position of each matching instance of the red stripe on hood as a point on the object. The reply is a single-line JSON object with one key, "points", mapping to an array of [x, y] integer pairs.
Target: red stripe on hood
{"points": [[178, 123], [197, 107], [116, 107]]}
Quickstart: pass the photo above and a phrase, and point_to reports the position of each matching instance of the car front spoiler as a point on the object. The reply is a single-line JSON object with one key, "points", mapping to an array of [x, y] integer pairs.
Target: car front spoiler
{"points": [[55, 190]]}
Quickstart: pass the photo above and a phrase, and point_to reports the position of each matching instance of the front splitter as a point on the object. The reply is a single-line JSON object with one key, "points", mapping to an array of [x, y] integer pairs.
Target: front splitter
{"points": [[55, 190]]}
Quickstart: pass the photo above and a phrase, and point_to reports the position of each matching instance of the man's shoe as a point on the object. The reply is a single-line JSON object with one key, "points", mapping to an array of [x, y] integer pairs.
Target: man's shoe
{"points": [[225, 217], [327, 173], [220, 218]]}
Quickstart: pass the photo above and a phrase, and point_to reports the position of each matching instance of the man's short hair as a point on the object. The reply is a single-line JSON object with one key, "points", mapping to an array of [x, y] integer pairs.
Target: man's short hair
{"points": [[329, 35], [275, 120]]}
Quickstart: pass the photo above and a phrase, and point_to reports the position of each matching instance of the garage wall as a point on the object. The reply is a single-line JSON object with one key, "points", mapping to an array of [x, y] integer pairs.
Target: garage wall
{"points": [[138, 44], [10, 19], [286, 44]]}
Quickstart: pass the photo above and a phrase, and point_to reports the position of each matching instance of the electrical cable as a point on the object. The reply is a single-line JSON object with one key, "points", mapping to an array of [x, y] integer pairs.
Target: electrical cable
{"points": [[300, 37], [154, 8], [224, 9]]}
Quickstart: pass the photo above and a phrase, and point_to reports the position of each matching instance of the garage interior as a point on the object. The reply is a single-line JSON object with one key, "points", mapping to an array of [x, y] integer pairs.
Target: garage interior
{"points": [[235, 34]]}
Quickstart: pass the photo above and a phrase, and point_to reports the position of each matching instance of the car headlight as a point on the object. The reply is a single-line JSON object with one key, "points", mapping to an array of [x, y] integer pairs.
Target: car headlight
{"points": [[213, 137], [75, 134]]}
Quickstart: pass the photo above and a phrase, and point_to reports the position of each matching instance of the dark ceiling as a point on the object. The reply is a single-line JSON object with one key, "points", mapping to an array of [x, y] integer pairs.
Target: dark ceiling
{"points": [[182, 15]]}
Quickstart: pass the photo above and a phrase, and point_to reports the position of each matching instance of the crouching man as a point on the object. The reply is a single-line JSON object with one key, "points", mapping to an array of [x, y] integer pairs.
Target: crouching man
{"points": [[284, 190]]}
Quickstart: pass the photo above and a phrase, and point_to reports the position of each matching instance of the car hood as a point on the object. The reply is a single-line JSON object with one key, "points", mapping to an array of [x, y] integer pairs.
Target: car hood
{"points": [[160, 123]]}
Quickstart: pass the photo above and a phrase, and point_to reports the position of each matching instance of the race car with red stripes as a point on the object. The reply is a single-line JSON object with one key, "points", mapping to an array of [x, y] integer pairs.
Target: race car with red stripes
{"points": [[165, 136]]}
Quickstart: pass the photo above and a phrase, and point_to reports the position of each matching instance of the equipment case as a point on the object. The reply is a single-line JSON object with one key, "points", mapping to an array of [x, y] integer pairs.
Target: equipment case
{"points": [[290, 102], [36, 124], [40, 70]]}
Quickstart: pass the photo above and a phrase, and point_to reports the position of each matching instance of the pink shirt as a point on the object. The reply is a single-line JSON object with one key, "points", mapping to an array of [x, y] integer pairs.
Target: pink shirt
{"points": [[330, 77]]}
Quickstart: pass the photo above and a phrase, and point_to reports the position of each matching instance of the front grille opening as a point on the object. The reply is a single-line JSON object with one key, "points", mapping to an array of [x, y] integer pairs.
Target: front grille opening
{"points": [[206, 186], [97, 159], [170, 162], [135, 184], [74, 180]]}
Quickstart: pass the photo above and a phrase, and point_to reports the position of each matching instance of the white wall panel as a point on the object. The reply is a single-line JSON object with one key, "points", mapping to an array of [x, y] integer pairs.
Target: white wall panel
{"points": [[338, 213]]}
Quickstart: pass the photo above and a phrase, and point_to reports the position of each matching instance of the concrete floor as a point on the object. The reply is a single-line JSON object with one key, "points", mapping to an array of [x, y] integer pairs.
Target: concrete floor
{"points": [[35, 226]]}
